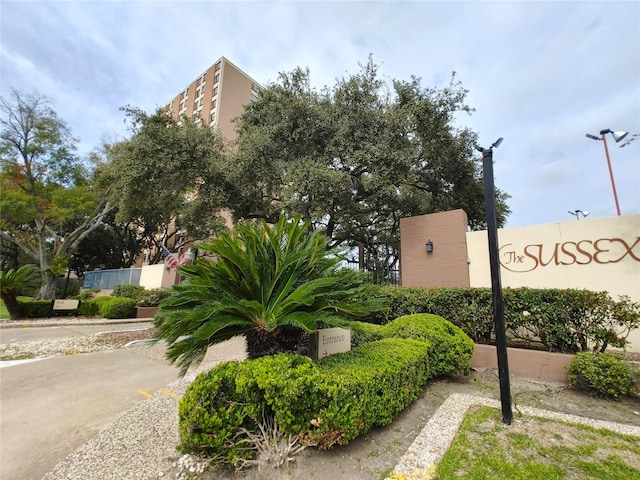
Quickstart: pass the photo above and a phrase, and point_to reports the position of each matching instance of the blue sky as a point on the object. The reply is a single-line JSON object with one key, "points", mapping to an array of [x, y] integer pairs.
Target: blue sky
{"points": [[539, 74]]}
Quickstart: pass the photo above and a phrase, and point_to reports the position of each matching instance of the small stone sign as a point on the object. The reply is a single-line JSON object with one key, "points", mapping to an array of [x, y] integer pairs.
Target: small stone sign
{"points": [[329, 341], [68, 304]]}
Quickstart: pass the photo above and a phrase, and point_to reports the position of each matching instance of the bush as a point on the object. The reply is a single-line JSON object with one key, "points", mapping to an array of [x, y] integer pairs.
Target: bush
{"points": [[324, 403], [362, 332], [118, 308], [153, 297], [450, 348], [71, 285], [108, 307], [565, 321], [90, 307], [603, 373], [30, 308], [89, 294], [134, 292]]}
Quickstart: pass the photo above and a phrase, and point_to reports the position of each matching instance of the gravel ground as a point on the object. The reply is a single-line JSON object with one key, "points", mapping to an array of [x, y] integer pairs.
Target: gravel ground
{"points": [[141, 443], [70, 345]]}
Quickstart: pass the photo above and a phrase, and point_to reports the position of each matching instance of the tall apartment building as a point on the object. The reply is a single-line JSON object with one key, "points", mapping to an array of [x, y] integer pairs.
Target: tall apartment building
{"points": [[216, 97]]}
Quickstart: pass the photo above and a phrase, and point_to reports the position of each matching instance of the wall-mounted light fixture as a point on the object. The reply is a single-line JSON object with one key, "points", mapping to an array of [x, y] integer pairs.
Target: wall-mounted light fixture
{"points": [[429, 246]]}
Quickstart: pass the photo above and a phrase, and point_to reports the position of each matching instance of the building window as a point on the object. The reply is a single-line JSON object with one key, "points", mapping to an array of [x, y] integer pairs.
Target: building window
{"points": [[217, 67], [254, 97], [214, 102], [212, 116], [201, 102], [181, 95], [215, 91], [198, 83], [216, 78], [198, 92], [255, 87]]}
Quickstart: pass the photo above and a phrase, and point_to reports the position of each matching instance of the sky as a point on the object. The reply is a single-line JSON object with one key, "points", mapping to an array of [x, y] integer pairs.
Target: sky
{"points": [[540, 74]]}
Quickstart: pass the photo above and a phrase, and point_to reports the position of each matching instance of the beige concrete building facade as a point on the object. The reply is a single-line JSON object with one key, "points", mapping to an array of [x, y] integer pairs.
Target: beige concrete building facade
{"points": [[216, 97]]}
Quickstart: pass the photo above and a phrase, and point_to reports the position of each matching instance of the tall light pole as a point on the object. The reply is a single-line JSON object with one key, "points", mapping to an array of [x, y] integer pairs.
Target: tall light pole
{"points": [[617, 136], [496, 286]]}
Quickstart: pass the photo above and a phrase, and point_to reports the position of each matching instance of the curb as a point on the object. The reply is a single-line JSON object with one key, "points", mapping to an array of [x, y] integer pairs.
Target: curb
{"points": [[69, 322]]}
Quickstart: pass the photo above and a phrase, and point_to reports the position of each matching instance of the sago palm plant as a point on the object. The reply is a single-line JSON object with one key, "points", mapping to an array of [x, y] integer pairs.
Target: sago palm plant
{"points": [[269, 283], [13, 282]]}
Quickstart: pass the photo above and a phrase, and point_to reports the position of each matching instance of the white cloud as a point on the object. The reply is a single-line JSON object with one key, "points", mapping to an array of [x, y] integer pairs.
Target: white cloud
{"points": [[540, 74]]}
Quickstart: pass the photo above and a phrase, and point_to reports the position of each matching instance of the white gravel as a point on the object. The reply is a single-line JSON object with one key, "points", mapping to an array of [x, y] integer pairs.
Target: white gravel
{"points": [[51, 348]]}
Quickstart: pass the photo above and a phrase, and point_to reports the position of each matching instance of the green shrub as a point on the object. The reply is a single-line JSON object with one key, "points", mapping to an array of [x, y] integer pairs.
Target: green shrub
{"points": [[88, 294], [233, 395], [153, 297], [90, 307], [72, 287], [362, 332], [450, 348], [326, 403], [556, 320], [108, 307], [603, 373], [118, 308], [30, 308], [128, 291], [450, 351], [367, 387]]}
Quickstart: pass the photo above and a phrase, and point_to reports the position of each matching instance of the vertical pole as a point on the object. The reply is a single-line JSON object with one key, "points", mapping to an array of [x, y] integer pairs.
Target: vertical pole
{"points": [[613, 183], [496, 287]]}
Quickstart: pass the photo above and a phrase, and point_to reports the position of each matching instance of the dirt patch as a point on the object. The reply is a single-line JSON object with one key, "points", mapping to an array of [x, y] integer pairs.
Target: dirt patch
{"points": [[373, 455]]}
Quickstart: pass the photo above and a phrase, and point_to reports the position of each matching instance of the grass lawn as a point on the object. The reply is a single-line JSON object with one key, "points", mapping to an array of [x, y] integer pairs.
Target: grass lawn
{"points": [[4, 313], [534, 448]]}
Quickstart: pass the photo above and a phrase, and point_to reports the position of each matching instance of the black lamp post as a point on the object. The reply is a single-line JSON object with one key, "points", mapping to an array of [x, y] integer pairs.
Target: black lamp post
{"points": [[496, 287]]}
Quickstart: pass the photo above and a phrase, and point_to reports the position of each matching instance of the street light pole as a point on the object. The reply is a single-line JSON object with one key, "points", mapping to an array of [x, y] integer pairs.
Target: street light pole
{"points": [[617, 137], [496, 286]]}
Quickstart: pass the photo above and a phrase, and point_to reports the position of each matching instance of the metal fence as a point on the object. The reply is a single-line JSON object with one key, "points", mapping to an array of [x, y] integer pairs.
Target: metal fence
{"points": [[382, 275], [108, 279]]}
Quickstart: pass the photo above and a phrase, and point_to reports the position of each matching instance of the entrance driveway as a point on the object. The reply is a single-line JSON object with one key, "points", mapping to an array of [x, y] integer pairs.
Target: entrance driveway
{"points": [[50, 407]]}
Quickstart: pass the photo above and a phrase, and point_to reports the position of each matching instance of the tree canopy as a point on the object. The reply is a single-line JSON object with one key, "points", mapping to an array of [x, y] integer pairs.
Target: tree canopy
{"points": [[170, 179], [49, 204], [355, 158]]}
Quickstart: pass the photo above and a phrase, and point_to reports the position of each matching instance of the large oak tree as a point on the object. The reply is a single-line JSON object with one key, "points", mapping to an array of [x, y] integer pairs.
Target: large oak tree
{"points": [[356, 158], [170, 179]]}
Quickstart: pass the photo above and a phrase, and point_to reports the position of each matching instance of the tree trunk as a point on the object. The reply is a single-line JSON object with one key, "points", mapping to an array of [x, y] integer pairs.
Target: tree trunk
{"points": [[48, 288], [261, 343]]}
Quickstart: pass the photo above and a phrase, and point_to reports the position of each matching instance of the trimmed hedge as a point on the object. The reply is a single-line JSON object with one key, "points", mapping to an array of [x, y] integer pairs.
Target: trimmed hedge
{"points": [[325, 403], [567, 321], [30, 308], [450, 348], [108, 307]]}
